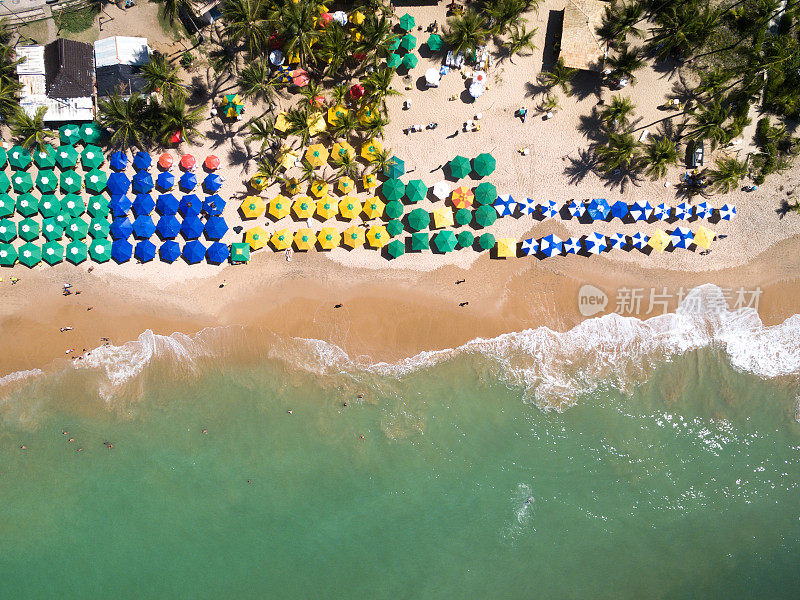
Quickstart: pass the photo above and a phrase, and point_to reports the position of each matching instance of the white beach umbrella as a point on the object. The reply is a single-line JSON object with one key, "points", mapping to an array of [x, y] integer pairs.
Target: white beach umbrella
{"points": [[527, 206], [572, 245], [340, 17], [441, 189], [530, 246], [432, 77], [476, 90], [595, 243], [276, 57], [617, 241]]}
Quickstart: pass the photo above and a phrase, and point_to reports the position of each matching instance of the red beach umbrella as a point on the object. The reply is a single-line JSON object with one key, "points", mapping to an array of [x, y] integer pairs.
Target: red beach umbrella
{"points": [[357, 91], [176, 137], [165, 160], [325, 19], [211, 162], [300, 77], [275, 42], [188, 162], [318, 101]]}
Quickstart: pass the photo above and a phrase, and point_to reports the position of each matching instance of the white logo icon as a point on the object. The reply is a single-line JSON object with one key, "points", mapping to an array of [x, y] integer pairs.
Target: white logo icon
{"points": [[591, 300]]}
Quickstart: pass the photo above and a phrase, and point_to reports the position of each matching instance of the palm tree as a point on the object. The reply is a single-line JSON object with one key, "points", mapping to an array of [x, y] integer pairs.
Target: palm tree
{"points": [[558, 75], [625, 61], [311, 91], [376, 31], [708, 123], [172, 9], [333, 47], [549, 104], [503, 13], [378, 85], [345, 126], [713, 80], [297, 118], [727, 175], [297, 27], [267, 168], [173, 117], [616, 113], [465, 32], [346, 166], [619, 21], [161, 76], [307, 171], [682, 28], [339, 94], [245, 23], [124, 119], [381, 160], [255, 81], [659, 153], [520, 39], [8, 98], [261, 131], [376, 126], [31, 131], [619, 151]]}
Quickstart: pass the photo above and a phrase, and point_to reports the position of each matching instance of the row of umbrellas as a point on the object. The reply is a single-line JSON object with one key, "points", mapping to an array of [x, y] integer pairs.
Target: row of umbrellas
{"points": [[87, 133], [47, 181], [168, 227], [167, 204], [47, 157], [142, 161], [54, 228], [142, 182], [49, 205]]}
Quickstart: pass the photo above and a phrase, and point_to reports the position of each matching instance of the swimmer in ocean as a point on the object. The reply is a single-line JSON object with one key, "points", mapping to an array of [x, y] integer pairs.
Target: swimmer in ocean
{"points": [[529, 500]]}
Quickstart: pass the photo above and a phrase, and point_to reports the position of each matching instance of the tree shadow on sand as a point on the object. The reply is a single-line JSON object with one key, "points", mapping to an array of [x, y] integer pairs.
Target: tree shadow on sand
{"points": [[581, 166], [591, 126], [622, 179]]}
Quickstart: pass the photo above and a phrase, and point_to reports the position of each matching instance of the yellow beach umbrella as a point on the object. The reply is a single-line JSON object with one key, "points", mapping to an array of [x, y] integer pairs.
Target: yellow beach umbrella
{"points": [[345, 185], [342, 149], [287, 157], [367, 115], [304, 239], [371, 149], [317, 155], [293, 186], [316, 124], [279, 206], [373, 208], [703, 237], [319, 188], [349, 208], [443, 217], [370, 180], [327, 208], [281, 124], [353, 236], [304, 207], [329, 238], [252, 207], [257, 237], [281, 239], [335, 112], [506, 247], [377, 236], [258, 182], [659, 241], [357, 17], [357, 35], [294, 57]]}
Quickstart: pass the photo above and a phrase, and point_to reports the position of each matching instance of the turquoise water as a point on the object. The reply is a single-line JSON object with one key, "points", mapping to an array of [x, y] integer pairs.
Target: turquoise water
{"points": [[684, 488]]}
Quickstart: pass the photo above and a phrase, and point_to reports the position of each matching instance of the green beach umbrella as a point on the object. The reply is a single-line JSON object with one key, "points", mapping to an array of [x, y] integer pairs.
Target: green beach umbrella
{"points": [[419, 219], [62, 219], [98, 206], [240, 252], [8, 256], [434, 42], [49, 206], [90, 133], [407, 22], [410, 61], [7, 205], [77, 229], [8, 230], [485, 216], [394, 44], [465, 239], [52, 253], [485, 193], [21, 181], [416, 190], [463, 216], [394, 61], [486, 241], [45, 158], [395, 167], [70, 182], [394, 209], [445, 241], [420, 241], [19, 158], [394, 227], [29, 254], [51, 230], [99, 227], [395, 248], [408, 43], [73, 205], [96, 181], [28, 230], [91, 157], [27, 205], [46, 181], [393, 189], [484, 164], [76, 252], [69, 134], [3, 158], [100, 250], [459, 167], [66, 157], [5, 182]]}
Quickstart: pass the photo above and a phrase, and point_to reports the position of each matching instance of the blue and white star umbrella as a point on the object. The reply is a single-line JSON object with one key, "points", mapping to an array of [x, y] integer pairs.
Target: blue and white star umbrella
{"points": [[641, 210], [595, 243], [577, 208], [505, 205], [527, 206], [702, 211], [617, 241], [620, 209], [530, 246], [662, 212], [638, 240], [549, 209], [683, 211], [550, 245], [682, 237], [599, 209], [727, 212], [572, 245]]}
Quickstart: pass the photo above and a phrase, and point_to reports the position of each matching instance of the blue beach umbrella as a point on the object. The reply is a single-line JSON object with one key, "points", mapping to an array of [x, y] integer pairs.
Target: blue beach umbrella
{"points": [[216, 227], [662, 212], [620, 209], [143, 204], [121, 251], [165, 180], [192, 228], [727, 212], [194, 251], [168, 226], [572, 245], [118, 184], [617, 241], [188, 181], [682, 237], [213, 205], [121, 228], [142, 161], [683, 211], [530, 246], [598, 209], [527, 206], [142, 182], [550, 245], [167, 204], [145, 251], [505, 205], [169, 251], [595, 243], [638, 240], [641, 210], [212, 182], [217, 253], [703, 211], [119, 205], [143, 227], [577, 208], [190, 206], [549, 209], [118, 161]]}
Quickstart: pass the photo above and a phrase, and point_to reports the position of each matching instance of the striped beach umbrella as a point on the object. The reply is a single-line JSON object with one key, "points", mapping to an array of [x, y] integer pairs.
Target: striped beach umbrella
{"points": [[577, 208], [550, 245], [572, 245], [662, 212], [617, 241], [641, 210], [682, 237], [638, 240], [703, 211], [530, 246], [505, 205], [549, 209], [727, 212], [595, 243], [462, 197], [683, 211], [100, 250], [527, 206]]}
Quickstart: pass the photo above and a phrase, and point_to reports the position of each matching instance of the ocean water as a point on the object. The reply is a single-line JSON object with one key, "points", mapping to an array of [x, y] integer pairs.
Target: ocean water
{"points": [[620, 460]]}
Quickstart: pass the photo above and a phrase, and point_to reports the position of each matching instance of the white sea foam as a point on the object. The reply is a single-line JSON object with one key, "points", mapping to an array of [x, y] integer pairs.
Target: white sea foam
{"points": [[19, 376]]}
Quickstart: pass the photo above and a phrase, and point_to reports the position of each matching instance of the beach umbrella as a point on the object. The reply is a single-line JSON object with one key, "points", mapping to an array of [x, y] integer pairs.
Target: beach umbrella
{"points": [[486, 241], [462, 197], [187, 162], [73, 205], [293, 186], [485, 216], [395, 249], [463, 216], [703, 237], [394, 209], [638, 240], [8, 255], [505, 205], [118, 184], [28, 229], [393, 189], [51, 230], [145, 251], [165, 161], [329, 238], [371, 149], [598, 209], [143, 227], [3, 158], [441, 190], [434, 42], [45, 158], [619, 209], [420, 241], [120, 205], [577, 208], [304, 239], [407, 22], [476, 89], [410, 61], [98, 206], [143, 204], [459, 167], [211, 162], [232, 105], [117, 161], [316, 155], [443, 217], [8, 230], [22, 182], [617, 241], [214, 205], [485, 193], [100, 250], [335, 113], [99, 227], [432, 77], [212, 182], [281, 239], [252, 207], [392, 43], [550, 245], [29, 254], [681, 237], [192, 228], [165, 180], [280, 207], [408, 42], [484, 164], [702, 211], [662, 212], [62, 219], [77, 252], [168, 226], [77, 229], [572, 245], [727, 212], [169, 251], [19, 158], [353, 236], [465, 239], [595, 243], [370, 181], [315, 121], [377, 236], [142, 161], [350, 208], [67, 158], [121, 228], [5, 182], [190, 206], [394, 61], [95, 181], [193, 252], [257, 237], [167, 204], [70, 182], [641, 210], [506, 247], [345, 185], [357, 17], [394, 227], [69, 134], [27, 205], [320, 188], [326, 207], [7, 205], [188, 181], [395, 167], [530, 247], [92, 157], [659, 241], [90, 133], [527, 206], [683, 211], [419, 219], [342, 150], [304, 207], [217, 253], [240, 252]]}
